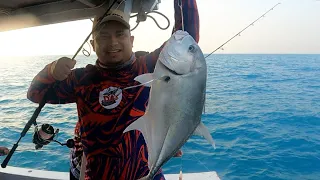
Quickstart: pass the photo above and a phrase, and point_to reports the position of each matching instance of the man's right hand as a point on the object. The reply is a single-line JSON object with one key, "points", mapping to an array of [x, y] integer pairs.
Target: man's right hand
{"points": [[61, 68]]}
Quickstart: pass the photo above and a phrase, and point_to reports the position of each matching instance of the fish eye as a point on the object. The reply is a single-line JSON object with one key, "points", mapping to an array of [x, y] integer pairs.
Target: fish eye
{"points": [[191, 48]]}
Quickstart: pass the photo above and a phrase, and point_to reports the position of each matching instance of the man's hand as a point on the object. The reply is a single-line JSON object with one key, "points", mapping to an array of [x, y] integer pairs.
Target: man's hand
{"points": [[61, 68], [178, 154], [4, 151]]}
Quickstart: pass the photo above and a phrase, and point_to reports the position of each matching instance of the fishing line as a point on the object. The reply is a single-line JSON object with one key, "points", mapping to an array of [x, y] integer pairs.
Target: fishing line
{"points": [[238, 34], [199, 161], [181, 11], [182, 27]]}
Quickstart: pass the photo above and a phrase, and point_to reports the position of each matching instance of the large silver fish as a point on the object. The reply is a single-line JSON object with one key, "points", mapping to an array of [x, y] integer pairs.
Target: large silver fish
{"points": [[176, 100]]}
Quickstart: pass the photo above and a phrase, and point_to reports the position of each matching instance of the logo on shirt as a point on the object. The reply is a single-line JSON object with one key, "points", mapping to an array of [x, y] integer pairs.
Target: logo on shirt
{"points": [[110, 97]]}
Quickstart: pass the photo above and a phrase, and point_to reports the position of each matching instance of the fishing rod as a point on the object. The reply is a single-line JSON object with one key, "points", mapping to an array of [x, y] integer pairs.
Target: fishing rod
{"points": [[46, 129], [238, 34]]}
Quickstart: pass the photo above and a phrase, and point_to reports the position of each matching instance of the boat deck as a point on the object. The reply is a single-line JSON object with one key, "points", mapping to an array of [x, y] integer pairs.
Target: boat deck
{"points": [[16, 173]]}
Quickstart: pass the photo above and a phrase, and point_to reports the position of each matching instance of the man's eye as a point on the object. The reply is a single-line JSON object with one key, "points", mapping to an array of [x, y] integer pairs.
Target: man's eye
{"points": [[120, 34], [103, 36]]}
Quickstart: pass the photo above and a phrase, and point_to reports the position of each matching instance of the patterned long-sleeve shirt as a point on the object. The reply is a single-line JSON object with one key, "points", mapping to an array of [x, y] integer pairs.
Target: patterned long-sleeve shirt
{"points": [[105, 109]]}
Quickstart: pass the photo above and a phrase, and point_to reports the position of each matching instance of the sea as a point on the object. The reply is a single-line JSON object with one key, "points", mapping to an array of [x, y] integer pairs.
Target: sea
{"points": [[263, 110]]}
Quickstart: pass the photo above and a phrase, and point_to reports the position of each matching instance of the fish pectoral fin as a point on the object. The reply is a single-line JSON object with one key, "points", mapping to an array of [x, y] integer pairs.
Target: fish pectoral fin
{"points": [[203, 131], [136, 125], [145, 79]]}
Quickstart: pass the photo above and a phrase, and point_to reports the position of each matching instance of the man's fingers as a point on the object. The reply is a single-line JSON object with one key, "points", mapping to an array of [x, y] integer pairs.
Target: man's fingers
{"points": [[63, 68], [68, 62], [179, 153], [66, 70], [71, 63], [62, 77], [4, 151]]}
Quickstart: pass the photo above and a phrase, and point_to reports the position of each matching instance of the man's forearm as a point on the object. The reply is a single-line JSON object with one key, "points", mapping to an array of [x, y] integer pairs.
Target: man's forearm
{"points": [[190, 17]]}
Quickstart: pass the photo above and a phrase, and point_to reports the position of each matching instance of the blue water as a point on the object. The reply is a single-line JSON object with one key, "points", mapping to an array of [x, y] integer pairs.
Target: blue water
{"points": [[262, 110]]}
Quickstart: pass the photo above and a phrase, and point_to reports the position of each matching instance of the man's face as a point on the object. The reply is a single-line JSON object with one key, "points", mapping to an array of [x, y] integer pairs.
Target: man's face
{"points": [[112, 42]]}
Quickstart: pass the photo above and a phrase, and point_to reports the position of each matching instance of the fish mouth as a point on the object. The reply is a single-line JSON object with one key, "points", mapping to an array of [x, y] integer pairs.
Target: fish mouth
{"points": [[192, 68], [170, 70]]}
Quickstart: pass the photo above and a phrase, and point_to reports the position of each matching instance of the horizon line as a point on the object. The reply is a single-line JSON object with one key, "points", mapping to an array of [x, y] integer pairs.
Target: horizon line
{"points": [[26, 55]]}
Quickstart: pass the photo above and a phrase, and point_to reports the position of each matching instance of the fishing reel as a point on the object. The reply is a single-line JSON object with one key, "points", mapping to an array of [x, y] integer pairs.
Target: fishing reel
{"points": [[45, 134]]}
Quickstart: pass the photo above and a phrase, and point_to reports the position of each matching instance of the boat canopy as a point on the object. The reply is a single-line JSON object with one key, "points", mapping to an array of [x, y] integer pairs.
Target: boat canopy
{"points": [[17, 14]]}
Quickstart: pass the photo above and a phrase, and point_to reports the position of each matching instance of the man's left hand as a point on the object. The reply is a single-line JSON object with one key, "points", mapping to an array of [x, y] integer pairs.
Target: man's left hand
{"points": [[4, 151]]}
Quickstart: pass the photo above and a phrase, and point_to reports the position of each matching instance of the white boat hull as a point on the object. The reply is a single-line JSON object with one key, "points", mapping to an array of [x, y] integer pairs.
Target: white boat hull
{"points": [[16, 173]]}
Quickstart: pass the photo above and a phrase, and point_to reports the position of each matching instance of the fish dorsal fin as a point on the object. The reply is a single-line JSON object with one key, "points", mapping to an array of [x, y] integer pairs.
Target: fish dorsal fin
{"points": [[202, 130]]}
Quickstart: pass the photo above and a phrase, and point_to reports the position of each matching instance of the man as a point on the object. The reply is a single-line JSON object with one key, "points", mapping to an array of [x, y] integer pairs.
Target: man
{"points": [[4, 151], [104, 107], [77, 151]]}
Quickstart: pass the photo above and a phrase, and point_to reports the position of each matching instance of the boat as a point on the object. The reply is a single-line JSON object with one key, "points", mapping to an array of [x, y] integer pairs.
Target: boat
{"points": [[19, 14], [17, 173]]}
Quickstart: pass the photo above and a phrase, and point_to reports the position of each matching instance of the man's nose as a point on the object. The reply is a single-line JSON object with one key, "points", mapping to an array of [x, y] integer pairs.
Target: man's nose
{"points": [[114, 40]]}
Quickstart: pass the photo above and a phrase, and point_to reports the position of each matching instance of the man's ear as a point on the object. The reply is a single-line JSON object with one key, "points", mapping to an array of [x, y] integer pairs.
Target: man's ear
{"points": [[132, 39], [92, 44]]}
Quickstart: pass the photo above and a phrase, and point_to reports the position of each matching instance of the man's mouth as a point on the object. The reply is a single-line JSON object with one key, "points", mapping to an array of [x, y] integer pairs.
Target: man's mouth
{"points": [[114, 51]]}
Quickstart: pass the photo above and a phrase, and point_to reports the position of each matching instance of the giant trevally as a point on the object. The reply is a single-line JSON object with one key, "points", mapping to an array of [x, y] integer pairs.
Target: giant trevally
{"points": [[176, 101]]}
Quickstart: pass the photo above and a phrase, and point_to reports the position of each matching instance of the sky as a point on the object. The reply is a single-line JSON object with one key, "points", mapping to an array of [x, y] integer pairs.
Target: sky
{"points": [[293, 27]]}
